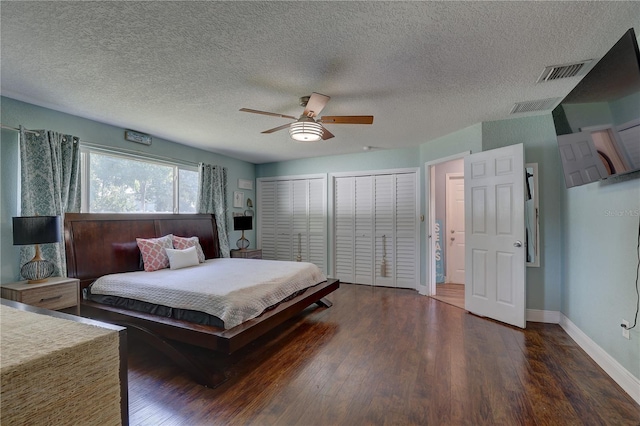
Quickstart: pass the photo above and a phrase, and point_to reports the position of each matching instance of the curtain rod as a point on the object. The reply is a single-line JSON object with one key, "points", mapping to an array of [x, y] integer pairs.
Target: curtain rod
{"points": [[112, 149], [17, 130]]}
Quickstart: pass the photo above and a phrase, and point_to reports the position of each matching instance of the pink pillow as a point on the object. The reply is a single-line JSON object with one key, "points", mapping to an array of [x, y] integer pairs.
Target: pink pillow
{"points": [[181, 243], [153, 252]]}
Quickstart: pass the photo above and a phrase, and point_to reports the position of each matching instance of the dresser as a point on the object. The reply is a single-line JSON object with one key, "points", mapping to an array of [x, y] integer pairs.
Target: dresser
{"points": [[247, 254], [54, 293]]}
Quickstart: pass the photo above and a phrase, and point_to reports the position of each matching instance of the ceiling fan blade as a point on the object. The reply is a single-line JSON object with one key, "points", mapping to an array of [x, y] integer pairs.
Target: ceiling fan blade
{"points": [[316, 103], [273, 114], [275, 129], [326, 134], [347, 119]]}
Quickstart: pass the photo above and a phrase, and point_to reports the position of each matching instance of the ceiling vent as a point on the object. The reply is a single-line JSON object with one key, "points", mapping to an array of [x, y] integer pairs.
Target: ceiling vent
{"points": [[532, 106], [556, 72]]}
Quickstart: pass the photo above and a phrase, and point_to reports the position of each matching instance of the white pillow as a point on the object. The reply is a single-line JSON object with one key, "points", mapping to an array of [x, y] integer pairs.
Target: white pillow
{"points": [[182, 258]]}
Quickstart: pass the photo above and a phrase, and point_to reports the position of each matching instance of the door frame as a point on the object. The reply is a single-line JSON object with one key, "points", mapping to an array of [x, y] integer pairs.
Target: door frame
{"points": [[429, 288]]}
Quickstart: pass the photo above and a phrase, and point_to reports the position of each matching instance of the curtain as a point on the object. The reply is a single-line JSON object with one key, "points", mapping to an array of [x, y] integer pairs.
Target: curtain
{"points": [[212, 198], [50, 185]]}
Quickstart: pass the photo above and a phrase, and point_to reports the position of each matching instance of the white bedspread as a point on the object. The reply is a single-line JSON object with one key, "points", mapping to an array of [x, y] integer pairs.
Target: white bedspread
{"points": [[234, 290]]}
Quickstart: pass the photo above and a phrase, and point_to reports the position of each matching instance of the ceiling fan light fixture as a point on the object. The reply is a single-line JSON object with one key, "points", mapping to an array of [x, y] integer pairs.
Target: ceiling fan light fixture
{"points": [[305, 131]]}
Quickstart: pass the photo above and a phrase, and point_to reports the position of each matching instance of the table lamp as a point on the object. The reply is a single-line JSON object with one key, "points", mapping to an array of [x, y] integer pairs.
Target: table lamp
{"points": [[36, 230], [242, 223]]}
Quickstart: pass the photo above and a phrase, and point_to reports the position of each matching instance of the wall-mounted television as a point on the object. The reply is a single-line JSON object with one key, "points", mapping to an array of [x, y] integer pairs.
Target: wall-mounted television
{"points": [[598, 122]]}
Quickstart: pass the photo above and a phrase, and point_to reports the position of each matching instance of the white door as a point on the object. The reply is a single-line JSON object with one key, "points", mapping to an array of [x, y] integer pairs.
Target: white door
{"points": [[494, 224], [580, 160], [454, 234]]}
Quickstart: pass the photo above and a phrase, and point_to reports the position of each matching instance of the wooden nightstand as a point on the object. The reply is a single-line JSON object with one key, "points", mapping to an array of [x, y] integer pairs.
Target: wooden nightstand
{"points": [[56, 293], [247, 254]]}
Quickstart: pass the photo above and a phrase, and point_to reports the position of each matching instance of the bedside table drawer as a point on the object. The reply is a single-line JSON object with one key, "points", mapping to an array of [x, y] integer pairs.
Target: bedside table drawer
{"points": [[52, 297], [247, 254]]}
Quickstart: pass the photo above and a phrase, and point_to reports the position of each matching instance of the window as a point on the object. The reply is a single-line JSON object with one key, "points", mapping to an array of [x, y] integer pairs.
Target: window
{"points": [[119, 183]]}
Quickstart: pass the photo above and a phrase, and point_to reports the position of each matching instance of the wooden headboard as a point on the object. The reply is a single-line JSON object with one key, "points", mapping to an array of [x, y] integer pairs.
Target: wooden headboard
{"points": [[100, 244]]}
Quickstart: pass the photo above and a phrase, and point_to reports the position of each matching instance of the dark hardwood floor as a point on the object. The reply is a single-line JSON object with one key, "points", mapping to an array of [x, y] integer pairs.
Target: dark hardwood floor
{"points": [[387, 356], [450, 293]]}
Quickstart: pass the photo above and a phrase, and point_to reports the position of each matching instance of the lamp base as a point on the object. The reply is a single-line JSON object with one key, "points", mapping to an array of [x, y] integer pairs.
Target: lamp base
{"points": [[242, 243], [37, 271]]}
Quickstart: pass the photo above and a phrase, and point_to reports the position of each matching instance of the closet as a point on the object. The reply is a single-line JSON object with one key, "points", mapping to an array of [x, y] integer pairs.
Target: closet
{"points": [[375, 228], [292, 219]]}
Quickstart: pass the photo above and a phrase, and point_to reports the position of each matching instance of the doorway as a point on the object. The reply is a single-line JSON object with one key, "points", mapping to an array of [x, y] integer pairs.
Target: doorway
{"points": [[446, 236]]}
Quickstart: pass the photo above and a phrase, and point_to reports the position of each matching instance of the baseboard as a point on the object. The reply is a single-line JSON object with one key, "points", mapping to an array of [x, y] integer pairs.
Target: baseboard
{"points": [[613, 368], [537, 315]]}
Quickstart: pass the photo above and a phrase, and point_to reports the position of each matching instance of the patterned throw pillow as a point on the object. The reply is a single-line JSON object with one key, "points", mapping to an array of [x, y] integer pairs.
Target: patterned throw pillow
{"points": [[182, 243], [153, 252]]}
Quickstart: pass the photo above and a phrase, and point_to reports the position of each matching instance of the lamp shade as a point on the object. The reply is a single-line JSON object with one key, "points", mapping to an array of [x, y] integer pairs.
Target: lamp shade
{"points": [[305, 131], [36, 230], [242, 223]]}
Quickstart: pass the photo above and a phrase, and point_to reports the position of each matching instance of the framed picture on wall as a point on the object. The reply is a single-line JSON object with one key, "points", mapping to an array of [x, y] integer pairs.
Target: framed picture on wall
{"points": [[238, 199], [245, 184]]}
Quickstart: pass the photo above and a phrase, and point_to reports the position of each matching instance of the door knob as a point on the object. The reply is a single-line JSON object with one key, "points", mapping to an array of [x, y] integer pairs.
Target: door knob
{"points": [[517, 244], [452, 239]]}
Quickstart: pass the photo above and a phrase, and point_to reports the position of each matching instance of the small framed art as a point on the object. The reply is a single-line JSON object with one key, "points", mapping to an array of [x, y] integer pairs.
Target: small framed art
{"points": [[238, 199]]}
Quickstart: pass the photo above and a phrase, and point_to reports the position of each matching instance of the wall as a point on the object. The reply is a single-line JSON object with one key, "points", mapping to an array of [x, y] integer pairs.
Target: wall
{"points": [[371, 160], [600, 233], [15, 113]]}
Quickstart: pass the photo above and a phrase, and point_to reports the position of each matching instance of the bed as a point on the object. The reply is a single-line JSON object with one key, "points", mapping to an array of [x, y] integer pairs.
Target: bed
{"points": [[101, 244]]}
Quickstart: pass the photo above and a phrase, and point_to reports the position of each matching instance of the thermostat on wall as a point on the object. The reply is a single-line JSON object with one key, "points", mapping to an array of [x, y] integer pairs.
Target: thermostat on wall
{"points": [[138, 137]]}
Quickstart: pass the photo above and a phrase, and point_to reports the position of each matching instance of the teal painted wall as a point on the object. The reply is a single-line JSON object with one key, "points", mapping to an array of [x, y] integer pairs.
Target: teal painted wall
{"points": [[600, 231], [467, 139], [15, 113], [371, 160]]}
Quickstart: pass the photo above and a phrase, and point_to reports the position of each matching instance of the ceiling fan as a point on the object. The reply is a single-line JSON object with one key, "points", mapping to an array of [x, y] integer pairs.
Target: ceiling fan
{"points": [[309, 128]]}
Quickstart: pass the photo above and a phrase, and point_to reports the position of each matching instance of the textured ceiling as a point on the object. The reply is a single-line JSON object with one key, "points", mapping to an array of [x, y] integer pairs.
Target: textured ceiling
{"points": [[181, 70]]}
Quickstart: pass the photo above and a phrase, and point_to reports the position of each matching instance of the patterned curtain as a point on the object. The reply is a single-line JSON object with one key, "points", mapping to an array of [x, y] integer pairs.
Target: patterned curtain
{"points": [[50, 185], [212, 198]]}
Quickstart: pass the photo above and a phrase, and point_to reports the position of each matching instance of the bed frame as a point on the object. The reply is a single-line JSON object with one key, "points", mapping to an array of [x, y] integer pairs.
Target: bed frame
{"points": [[100, 244]]}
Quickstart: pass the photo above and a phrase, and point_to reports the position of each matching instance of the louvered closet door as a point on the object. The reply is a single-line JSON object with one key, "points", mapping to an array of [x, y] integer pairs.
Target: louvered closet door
{"points": [[284, 220], [267, 219], [300, 220], [344, 228], [317, 223], [363, 256], [292, 218], [376, 229], [384, 230], [406, 231]]}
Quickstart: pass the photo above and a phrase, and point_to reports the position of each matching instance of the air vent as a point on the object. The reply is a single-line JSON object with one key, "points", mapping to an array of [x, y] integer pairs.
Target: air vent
{"points": [[556, 72], [531, 106]]}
